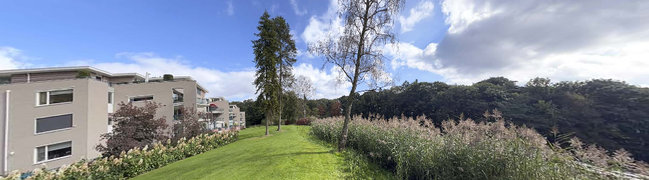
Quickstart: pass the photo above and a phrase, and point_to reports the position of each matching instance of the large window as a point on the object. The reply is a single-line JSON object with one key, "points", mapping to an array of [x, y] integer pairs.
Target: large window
{"points": [[110, 97], [53, 123], [54, 97], [53, 151], [141, 98]]}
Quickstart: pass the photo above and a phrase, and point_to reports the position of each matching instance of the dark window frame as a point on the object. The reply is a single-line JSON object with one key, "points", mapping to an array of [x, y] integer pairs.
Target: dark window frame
{"points": [[42, 121], [65, 152], [44, 98], [141, 98]]}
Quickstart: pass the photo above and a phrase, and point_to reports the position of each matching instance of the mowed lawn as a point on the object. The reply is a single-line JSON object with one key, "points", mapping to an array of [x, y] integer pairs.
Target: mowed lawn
{"points": [[289, 154]]}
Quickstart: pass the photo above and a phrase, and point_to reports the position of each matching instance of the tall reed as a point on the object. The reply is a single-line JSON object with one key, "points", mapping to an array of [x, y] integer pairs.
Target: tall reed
{"points": [[462, 149]]}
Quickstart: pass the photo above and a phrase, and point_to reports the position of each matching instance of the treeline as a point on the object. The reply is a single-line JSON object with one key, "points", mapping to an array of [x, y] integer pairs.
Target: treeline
{"points": [[609, 113]]}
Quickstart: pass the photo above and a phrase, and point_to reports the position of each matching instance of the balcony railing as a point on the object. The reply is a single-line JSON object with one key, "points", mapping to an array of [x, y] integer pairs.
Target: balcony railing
{"points": [[201, 101], [178, 99]]}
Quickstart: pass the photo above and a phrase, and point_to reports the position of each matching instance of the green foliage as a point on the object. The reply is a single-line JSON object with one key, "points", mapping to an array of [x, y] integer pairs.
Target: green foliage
{"points": [[83, 74], [290, 111], [136, 161], [266, 50], [253, 109], [458, 150], [167, 77], [609, 113]]}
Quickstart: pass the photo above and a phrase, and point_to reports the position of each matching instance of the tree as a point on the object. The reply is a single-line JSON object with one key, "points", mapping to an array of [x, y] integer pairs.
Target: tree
{"points": [[290, 110], [266, 59], [357, 50], [188, 125], [287, 53], [134, 126], [334, 108], [303, 88], [254, 113]]}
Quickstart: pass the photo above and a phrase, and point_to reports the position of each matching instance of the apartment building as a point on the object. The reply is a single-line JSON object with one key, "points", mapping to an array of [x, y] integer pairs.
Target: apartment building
{"points": [[55, 116], [224, 115]]}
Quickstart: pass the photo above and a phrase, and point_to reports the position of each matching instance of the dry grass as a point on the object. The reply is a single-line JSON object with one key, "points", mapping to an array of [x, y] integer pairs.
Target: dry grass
{"points": [[465, 149]]}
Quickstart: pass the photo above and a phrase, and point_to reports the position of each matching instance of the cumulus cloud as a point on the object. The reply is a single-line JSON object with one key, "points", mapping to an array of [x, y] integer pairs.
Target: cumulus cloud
{"points": [[563, 40], [297, 9], [10, 58], [323, 26], [235, 85], [423, 10], [327, 84]]}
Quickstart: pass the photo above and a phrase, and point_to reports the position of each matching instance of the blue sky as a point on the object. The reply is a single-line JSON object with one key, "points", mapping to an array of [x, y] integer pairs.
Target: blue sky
{"points": [[455, 41]]}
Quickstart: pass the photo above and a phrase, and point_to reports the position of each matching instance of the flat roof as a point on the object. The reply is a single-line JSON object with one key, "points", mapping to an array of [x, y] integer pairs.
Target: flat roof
{"points": [[70, 68], [90, 68]]}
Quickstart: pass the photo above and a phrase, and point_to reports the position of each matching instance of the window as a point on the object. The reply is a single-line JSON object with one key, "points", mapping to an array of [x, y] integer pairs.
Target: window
{"points": [[54, 97], [141, 98], [53, 151], [53, 123], [110, 97]]}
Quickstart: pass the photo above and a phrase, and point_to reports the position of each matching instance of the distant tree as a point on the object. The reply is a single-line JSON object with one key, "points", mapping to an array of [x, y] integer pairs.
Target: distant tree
{"points": [[253, 109], [133, 126], [188, 124], [335, 109], [322, 111], [357, 51], [304, 88], [290, 111]]}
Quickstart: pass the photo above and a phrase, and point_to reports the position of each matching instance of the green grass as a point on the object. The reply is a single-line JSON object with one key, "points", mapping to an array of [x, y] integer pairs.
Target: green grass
{"points": [[289, 154]]}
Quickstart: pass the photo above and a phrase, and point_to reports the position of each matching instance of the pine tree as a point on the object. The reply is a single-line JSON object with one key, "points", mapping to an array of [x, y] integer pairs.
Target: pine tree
{"points": [[266, 59]]}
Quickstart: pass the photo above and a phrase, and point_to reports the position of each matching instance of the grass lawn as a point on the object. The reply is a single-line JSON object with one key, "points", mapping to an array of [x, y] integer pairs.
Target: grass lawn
{"points": [[289, 154]]}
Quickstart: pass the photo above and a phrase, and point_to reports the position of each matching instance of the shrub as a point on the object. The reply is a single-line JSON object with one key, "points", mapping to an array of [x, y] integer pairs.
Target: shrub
{"points": [[83, 74], [136, 161], [464, 149], [303, 121], [167, 77], [134, 126]]}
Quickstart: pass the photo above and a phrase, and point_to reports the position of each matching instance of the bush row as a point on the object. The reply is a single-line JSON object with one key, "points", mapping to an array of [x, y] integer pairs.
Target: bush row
{"points": [[136, 161], [464, 149]]}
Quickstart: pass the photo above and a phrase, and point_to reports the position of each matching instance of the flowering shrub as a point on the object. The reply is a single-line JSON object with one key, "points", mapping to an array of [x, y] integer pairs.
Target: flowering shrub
{"points": [[464, 149], [136, 161]]}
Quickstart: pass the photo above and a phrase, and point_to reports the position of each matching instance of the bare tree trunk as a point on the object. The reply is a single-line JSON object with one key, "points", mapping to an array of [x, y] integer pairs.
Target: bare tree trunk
{"points": [[348, 117], [304, 107], [350, 99], [281, 89], [269, 117]]}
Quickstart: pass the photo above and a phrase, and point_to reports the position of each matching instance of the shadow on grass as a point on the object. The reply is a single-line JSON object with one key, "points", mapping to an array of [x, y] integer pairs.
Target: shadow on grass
{"points": [[301, 153]]}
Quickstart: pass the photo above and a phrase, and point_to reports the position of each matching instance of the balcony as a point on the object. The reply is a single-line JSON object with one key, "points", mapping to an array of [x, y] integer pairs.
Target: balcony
{"points": [[202, 102], [178, 100], [216, 111]]}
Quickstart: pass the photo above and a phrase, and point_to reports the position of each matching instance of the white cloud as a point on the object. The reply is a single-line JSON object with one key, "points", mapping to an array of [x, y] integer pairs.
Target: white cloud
{"points": [[423, 10], [10, 58], [235, 85], [408, 55], [326, 84], [230, 8], [297, 9], [461, 13], [325, 26], [562, 40]]}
